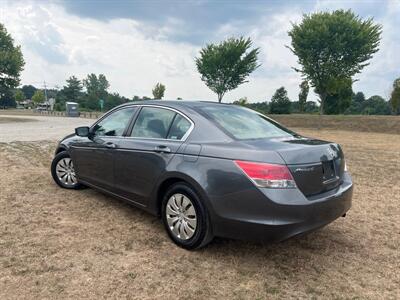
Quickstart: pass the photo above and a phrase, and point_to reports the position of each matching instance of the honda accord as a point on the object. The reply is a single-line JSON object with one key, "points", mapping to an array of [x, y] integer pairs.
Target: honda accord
{"points": [[208, 169]]}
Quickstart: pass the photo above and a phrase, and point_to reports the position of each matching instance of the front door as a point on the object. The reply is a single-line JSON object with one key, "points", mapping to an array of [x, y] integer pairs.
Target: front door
{"points": [[94, 157]]}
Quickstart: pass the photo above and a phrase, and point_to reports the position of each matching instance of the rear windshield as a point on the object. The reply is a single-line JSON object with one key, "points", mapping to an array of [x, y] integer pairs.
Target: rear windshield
{"points": [[244, 124]]}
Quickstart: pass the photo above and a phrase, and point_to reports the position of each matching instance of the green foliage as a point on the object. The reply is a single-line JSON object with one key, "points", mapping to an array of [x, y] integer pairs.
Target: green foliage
{"points": [[73, 89], [113, 100], [261, 107], [138, 98], [29, 91], [224, 66], [96, 86], [19, 96], [11, 65], [304, 89], [357, 103], [359, 98], [96, 89], [311, 107], [339, 97], [376, 105], [38, 97], [395, 97], [242, 101], [333, 46], [280, 102], [158, 91]]}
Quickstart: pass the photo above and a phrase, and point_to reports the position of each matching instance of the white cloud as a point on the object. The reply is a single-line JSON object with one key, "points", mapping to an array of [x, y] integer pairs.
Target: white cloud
{"points": [[57, 45]]}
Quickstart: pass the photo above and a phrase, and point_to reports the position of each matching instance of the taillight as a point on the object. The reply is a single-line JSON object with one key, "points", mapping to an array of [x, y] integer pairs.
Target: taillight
{"points": [[267, 175]]}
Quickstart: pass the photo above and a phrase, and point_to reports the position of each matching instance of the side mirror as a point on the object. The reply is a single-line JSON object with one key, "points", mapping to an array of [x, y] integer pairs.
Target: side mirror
{"points": [[82, 131]]}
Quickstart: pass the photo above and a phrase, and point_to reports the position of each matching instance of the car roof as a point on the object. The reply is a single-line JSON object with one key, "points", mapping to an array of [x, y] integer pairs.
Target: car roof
{"points": [[176, 103]]}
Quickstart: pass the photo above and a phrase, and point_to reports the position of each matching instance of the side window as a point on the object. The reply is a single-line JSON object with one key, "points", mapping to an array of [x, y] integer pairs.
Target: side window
{"points": [[115, 123], [179, 127], [153, 122]]}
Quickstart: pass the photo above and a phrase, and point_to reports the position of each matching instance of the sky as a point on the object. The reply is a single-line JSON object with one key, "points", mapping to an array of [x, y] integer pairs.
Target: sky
{"points": [[139, 43]]}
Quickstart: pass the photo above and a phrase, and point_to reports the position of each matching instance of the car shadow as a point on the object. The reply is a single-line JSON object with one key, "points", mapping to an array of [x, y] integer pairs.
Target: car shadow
{"points": [[289, 256]]}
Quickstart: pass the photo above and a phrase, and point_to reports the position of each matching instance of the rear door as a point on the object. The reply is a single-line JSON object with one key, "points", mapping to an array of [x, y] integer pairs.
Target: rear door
{"points": [[94, 158], [156, 135]]}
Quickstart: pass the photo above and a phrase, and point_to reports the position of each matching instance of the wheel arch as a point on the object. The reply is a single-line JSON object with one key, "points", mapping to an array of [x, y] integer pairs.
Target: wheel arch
{"points": [[60, 148], [171, 179]]}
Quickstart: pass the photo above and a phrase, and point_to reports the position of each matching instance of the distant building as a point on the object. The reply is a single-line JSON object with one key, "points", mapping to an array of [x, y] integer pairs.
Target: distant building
{"points": [[27, 103]]}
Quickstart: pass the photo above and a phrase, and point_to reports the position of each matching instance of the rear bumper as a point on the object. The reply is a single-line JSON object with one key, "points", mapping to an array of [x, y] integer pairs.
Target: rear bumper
{"points": [[275, 215]]}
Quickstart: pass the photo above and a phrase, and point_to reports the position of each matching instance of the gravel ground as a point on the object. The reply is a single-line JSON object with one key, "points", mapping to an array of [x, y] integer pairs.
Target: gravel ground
{"points": [[36, 128], [63, 244]]}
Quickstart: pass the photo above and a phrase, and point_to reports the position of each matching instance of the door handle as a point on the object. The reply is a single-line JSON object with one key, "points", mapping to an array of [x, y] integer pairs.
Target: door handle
{"points": [[110, 145], [162, 149]]}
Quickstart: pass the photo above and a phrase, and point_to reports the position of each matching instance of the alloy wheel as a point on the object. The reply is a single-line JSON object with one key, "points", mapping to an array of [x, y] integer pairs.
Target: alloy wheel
{"points": [[66, 172]]}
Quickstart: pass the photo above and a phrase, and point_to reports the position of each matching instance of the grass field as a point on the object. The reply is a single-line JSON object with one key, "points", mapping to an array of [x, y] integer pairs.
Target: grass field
{"points": [[383, 124], [56, 243]]}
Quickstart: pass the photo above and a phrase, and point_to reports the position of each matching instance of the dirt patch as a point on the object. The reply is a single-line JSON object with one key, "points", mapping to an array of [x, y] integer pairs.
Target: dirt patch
{"points": [[36, 128], [56, 243], [14, 120]]}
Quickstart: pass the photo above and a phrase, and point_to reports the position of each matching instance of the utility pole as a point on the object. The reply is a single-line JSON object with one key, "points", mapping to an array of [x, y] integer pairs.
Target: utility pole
{"points": [[45, 90]]}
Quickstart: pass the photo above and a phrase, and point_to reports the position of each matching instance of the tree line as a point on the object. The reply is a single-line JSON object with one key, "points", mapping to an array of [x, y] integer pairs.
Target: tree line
{"points": [[331, 47], [281, 104]]}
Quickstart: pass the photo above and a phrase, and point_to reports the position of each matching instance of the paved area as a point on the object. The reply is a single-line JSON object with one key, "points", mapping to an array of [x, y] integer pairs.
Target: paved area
{"points": [[36, 128]]}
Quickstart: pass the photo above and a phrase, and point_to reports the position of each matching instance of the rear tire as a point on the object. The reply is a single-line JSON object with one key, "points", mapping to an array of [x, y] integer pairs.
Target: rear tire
{"points": [[63, 172], [185, 217]]}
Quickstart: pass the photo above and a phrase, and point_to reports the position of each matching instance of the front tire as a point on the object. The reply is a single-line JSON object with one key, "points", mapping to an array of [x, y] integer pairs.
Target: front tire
{"points": [[63, 172], [185, 217]]}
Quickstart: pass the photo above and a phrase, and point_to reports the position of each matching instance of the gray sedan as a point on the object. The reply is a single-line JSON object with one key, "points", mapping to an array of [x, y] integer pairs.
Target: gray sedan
{"points": [[208, 169]]}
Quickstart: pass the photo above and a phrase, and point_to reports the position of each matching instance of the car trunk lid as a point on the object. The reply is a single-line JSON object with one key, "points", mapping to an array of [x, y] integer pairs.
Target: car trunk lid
{"points": [[316, 166]]}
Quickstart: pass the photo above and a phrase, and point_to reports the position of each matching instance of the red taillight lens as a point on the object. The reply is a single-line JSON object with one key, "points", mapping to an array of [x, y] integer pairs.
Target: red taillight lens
{"points": [[267, 175]]}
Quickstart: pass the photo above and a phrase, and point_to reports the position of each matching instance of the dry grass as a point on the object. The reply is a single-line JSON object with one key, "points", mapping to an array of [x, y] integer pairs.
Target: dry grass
{"points": [[56, 243], [381, 124]]}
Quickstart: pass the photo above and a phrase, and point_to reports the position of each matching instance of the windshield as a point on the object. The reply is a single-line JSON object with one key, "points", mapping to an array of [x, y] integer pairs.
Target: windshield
{"points": [[244, 124]]}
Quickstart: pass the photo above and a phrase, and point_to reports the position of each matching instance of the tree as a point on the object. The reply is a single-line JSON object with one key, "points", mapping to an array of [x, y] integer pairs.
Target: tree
{"points": [[242, 101], [29, 91], [339, 99], [113, 100], [73, 89], [333, 47], [261, 107], [19, 96], [96, 88], [224, 66], [311, 107], [38, 97], [158, 91], [304, 89], [280, 102], [357, 103], [359, 97], [11, 65], [395, 97], [376, 105]]}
